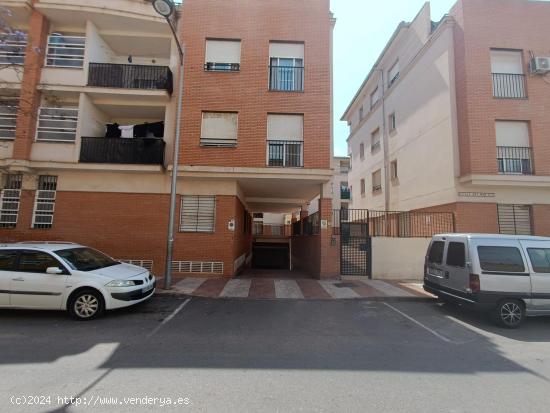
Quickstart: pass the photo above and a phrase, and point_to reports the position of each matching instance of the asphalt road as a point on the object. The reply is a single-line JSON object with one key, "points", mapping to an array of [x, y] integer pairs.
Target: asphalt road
{"points": [[270, 356]]}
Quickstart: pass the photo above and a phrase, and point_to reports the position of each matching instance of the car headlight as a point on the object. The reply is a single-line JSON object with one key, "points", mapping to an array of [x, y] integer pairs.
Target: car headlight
{"points": [[121, 283]]}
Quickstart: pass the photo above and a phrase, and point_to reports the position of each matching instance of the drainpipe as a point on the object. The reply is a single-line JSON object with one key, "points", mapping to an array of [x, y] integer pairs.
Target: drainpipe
{"points": [[385, 146]]}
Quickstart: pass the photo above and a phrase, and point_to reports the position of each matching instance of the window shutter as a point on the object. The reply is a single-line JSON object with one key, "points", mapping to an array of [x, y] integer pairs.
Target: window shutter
{"points": [[514, 219], [219, 129], [506, 62], [197, 213], [285, 127], [223, 51]]}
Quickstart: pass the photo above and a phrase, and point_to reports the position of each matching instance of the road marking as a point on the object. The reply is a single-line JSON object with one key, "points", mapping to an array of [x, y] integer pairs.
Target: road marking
{"points": [[287, 289], [236, 288], [169, 318], [338, 292], [418, 323]]}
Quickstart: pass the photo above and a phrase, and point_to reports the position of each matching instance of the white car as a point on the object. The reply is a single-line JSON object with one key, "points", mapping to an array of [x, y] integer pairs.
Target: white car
{"points": [[72, 277]]}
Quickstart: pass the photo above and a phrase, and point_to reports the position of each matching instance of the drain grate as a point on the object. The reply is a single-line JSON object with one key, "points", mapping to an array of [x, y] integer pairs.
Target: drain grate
{"points": [[344, 285]]}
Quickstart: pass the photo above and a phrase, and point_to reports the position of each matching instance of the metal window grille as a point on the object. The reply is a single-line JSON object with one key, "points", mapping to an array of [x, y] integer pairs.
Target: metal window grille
{"points": [[9, 201], [57, 124], [514, 219], [13, 48], [8, 119], [65, 51], [509, 86], [44, 204], [284, 77], [514, 160], [221, 67], [285, 153], [198, 213], [198, 267]]}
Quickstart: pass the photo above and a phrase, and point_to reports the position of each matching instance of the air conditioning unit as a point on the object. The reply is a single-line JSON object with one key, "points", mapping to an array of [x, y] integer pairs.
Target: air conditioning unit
{"points": [[540, 65]]}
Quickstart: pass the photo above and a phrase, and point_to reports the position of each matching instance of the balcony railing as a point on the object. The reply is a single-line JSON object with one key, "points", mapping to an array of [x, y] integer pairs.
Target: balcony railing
{"points": [[144, 151], [514, 160], [130, 76], [285, 153], [509, 86], [286, 78], [345, 193]]}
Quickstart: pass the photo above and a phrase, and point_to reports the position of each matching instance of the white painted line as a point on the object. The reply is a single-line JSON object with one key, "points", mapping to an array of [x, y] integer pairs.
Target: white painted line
{"points": [[418, 323], [287, 289], [236, 288], [337, 292], [387, 288], [188, 285], [169, 318]]}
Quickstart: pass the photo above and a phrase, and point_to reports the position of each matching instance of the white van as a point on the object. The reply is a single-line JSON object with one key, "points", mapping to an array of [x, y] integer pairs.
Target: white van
{"points": [[507, 275]]}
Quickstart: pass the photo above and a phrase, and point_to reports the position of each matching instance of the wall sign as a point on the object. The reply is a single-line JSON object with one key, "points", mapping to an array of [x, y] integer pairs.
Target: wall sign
{"points": [[476, 194]]}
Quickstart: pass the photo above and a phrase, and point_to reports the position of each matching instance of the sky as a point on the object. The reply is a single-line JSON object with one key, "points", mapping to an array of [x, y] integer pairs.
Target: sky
{"points": [[363, 27]]}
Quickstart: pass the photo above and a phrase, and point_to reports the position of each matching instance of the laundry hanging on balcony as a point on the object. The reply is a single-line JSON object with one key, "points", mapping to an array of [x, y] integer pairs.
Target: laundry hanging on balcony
{"points": [[144, 130]]}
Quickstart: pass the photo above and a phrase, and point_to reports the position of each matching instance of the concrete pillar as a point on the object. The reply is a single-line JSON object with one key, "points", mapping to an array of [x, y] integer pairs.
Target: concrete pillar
{"points": [[30, 96], [330, 243]]}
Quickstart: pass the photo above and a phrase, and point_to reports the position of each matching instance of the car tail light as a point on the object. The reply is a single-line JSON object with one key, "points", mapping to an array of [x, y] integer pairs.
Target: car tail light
{"points": [[475, 285]]}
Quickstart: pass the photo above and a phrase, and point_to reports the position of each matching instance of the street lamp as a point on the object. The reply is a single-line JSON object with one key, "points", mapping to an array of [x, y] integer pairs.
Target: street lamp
{"points": [[167, 9]]}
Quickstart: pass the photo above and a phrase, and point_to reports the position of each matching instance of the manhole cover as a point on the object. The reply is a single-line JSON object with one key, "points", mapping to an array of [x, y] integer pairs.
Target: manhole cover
{"points": [[344, 285]]}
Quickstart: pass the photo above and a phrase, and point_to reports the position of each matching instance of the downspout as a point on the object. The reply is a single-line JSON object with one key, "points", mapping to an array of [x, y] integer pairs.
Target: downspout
{"points": [[385, 146]]}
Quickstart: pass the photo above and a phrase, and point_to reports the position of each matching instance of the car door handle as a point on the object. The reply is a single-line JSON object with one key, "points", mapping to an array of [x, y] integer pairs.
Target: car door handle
{"points": [[18, 279]]}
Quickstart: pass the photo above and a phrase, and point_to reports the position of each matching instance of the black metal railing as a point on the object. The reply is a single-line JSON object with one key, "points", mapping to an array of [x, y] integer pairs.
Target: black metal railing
{"points": [[345, 193], [221, 67], [509, 86], [287, 154], [130, 76], [297, 228], [311, 224], [286, 78], [514, 160], [145, 151], [396, 224]]}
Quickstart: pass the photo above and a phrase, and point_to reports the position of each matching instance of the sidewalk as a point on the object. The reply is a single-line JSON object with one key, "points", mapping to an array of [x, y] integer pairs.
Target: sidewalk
{"points": [[298, 289]]}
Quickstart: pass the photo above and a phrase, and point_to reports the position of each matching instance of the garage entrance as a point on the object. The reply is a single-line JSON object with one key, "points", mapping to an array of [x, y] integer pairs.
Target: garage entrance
{"points": [[271, 255]]}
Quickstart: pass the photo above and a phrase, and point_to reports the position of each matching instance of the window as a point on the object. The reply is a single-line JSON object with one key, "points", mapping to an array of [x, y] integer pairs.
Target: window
{"points": [[197, 213], [362, 187], [219, 129], [65, 51], [362, 151], [44, 203], [393, 170], [285, 135], [514, 219], [9, 201], [505, 259], [435, 256], [507, 72], [222, 55], [540, 259], [374, 97], [392, 122], [34, 261], [393, 74], [513, 147], [456, 254], [7, 260], [286, 70], [8, 118], [377, 181], [375, 140], [57, 124], [361, 114], [13, 48]]}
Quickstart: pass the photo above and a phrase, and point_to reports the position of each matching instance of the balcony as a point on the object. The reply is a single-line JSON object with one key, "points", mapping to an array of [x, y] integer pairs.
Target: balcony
{"points": [[130, 76], [509, 86], [345, 193], [286, 78], [514, 160], [287, 154], [143, 151]]}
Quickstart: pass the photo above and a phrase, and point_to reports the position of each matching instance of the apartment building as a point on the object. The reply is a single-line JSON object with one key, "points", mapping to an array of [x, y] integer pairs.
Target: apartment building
{"points": [[453, 118], [340, 189], [88, 127]]}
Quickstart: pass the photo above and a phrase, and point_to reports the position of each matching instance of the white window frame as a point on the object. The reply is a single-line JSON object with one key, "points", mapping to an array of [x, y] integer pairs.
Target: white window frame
{"points": [[8, 115], [42, 198], [10, 196], [395, 77], [376, 139], [53, 56], [56, 118], [13, 49], [377, 187], [393, 122], [195, 226]]}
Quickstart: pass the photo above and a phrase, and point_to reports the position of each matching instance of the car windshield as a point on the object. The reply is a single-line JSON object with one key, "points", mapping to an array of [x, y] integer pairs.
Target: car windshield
{"points": [[85, 259]]}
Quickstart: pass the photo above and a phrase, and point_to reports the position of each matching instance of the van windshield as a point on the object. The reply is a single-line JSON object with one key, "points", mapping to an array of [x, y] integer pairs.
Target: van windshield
{"points": [[85, 259]]}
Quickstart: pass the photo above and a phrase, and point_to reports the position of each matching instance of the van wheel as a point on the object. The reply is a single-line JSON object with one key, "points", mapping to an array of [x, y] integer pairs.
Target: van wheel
{"points": [[509, 313], [86, 305]]}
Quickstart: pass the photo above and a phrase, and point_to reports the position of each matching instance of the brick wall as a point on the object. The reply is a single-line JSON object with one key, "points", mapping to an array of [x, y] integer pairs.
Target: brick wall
{"points": [[474, 217], [541, 220], [246, 92]]}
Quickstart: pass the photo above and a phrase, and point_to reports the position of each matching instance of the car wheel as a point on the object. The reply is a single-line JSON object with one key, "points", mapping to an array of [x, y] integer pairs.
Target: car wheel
{"points": [[509, 313], [86, 305]]}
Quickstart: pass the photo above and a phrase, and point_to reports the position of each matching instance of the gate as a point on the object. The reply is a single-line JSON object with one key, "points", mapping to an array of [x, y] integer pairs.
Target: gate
{"points": [[355, 242]]}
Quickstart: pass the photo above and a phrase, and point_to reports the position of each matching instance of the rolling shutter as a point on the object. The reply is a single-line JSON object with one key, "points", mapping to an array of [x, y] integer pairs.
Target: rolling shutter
{"points": [[514, 219], [197, 213]]}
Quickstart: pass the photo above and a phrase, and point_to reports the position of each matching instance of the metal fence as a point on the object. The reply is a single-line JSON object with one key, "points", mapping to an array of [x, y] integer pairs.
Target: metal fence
{"points": [[509, 86], [286, 78], [287, 154], [145, 151], [396, 224], [130, 76]]}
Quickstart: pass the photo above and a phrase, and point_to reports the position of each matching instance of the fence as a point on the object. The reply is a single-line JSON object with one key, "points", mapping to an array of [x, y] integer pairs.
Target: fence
{"points": [[397, 224], [309, 225]]}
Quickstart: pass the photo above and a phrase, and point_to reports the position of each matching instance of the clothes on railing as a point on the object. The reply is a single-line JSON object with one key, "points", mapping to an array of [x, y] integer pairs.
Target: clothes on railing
{"points": [[144, 130]]}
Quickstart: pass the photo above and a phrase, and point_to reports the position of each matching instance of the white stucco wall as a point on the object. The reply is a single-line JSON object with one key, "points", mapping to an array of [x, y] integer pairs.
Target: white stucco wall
{"points": [[398, 258]]}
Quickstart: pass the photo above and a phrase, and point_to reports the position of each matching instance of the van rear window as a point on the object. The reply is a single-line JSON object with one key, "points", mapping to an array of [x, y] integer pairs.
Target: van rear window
{"points": [[500, 259], [435, 256], [540, 258], [456, 254]]}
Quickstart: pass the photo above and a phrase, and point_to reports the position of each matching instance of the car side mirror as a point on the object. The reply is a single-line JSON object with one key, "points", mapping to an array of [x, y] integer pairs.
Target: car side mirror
{"points": [[54, 270]]}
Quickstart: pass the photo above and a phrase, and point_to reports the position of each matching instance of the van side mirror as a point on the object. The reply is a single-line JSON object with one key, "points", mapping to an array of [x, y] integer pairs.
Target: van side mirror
{"points": [[54, 270]]}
